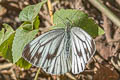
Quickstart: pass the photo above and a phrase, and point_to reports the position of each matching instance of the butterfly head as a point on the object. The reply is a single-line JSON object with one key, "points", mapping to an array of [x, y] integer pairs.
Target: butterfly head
{"points": [[68, 24]]}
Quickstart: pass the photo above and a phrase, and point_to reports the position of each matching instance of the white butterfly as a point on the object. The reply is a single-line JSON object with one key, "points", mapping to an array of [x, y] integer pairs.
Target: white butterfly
{"points": [[61, 50]]}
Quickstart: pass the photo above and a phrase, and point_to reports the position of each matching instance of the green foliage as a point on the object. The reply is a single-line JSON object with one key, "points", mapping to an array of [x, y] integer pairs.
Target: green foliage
{"points": [[1, 35], [6, 39], [36, 23], [6, 48], [13, 42], [29, 13], [76, 18], [26, 33], [5, 35], [27, 26], [23, 63], [22, 37]]}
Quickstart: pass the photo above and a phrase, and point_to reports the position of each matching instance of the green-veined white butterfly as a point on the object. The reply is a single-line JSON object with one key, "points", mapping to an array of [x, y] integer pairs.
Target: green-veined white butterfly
{"points": [[61, 50]]}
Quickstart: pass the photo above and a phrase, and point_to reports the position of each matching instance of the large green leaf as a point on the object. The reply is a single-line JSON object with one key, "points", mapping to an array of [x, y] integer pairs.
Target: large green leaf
{"points": [[76, 18], [22, 37], [29, 13]]}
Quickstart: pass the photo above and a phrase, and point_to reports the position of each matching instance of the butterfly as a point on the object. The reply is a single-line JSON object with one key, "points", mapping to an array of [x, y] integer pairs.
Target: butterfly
{"points": [[61, 50]]}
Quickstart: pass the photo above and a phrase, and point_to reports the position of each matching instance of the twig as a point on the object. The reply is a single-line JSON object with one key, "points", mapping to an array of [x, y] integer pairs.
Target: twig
{"points": [[106, 11], [8, 72], [36, 76], [6, 66], [71, 76], [50, 10], [107, 29], [13, 75], [115, 51], [112, 7]]}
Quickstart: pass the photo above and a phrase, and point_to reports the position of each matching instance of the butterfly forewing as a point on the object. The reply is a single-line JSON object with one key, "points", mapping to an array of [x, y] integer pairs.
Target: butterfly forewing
{"points": [[83, 48], [47, 52]]}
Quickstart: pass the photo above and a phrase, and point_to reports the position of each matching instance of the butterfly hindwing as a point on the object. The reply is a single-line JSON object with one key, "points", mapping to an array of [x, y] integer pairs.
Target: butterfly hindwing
{"points": [[83, 48], [47, 52]]}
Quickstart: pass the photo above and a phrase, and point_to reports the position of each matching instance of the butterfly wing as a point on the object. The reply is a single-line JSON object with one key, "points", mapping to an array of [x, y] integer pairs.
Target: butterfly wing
{"points": [[83, 48], [47, 52]]}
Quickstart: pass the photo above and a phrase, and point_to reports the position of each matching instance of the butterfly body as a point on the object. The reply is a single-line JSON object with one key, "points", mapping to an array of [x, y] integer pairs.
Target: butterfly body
{"points": [[67, 40]]}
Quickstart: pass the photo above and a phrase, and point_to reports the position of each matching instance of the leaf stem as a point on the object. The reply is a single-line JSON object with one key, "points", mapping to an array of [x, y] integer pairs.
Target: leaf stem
{"points": [[36, 76], [106, 11]]}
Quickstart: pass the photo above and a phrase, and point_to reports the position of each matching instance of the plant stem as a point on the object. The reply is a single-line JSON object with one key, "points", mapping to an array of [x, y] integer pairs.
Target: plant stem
{"points": [[50, 10], [106, 11], [36, 76]]}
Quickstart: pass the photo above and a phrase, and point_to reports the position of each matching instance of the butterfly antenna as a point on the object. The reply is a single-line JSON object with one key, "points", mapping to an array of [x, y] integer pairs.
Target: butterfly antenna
{"points": [[69, 19]]}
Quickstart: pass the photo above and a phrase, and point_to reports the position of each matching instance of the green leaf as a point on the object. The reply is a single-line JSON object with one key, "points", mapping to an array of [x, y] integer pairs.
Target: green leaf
{"points": [[76, 18], [6, 48], [29, 13], [100, 31], [5, 35], [22, 37], [38, 7], [36, 23], [23, 63], [27, 27], [1, 35]]}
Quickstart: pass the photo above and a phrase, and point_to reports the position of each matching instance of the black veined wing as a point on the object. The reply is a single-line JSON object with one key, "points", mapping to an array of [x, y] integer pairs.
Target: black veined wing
{"points": [[47, 52], [83, 48]]}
